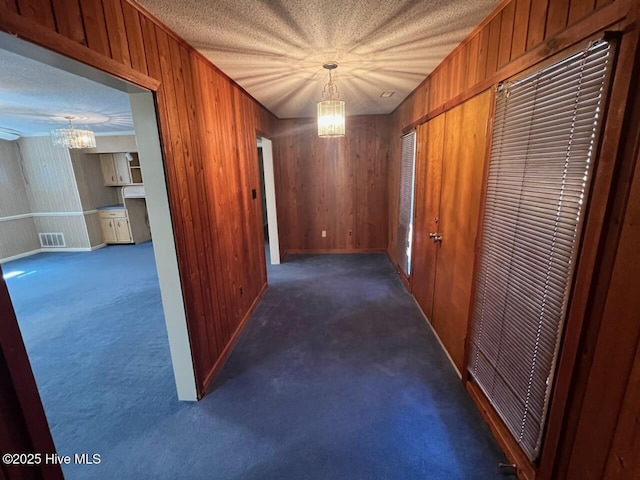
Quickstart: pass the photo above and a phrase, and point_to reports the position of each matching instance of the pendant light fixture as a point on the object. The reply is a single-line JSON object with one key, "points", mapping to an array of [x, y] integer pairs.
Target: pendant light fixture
{"points": [[72, 137], [331, 110]]}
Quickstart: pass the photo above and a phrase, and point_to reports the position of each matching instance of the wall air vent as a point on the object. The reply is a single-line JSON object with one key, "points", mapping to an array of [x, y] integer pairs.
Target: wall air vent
{"points": [[52, 240]]}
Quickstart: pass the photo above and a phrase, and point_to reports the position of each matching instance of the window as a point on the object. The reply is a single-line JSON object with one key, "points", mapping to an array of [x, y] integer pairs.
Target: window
{"points": [[405, 210], [541, 160]]}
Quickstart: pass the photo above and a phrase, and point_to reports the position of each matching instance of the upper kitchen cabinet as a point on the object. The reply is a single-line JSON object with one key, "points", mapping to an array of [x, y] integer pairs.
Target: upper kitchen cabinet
{"points": [[120, 168]]}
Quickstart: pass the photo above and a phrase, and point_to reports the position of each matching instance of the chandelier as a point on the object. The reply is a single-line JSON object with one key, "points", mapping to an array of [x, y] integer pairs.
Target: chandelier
{"points": [[72, 137], [331, 111]]}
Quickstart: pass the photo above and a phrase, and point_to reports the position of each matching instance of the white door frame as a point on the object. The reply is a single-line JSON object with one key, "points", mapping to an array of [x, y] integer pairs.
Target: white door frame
{"points": [[151, 161], [270, 194]]}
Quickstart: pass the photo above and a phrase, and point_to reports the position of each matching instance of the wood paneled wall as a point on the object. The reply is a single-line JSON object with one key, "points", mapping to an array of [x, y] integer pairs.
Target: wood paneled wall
{"points": [[519, 34], [336, 185], [208, 127], [596, 379]]}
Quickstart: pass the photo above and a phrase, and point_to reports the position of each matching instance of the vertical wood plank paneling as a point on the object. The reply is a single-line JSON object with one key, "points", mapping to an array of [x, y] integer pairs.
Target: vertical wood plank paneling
{"points": [[418, 103], [212, 242], [494, 45], [180, 203], [520, 27], [459, 75], [194, 166], [537, 23], [116, 31], [472, 65], [371, 158], [95, 26], [40, 11], [579, 9], [483, 54], [69, 20], [249, 212], [134, 37], [337, 185], [557, 16], [506, 33]]}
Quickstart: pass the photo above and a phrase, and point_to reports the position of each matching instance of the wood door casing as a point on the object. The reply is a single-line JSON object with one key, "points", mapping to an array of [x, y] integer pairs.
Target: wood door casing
{"points": [[462, 179], [426, 211]]}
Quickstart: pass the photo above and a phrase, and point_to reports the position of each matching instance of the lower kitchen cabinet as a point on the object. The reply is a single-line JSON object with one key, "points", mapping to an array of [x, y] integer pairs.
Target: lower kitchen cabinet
{"points": [[115, 226]]}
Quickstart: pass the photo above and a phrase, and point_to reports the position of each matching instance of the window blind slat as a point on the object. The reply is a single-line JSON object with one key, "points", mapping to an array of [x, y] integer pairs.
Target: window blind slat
{"points": [[543, 141], [405, 208]]}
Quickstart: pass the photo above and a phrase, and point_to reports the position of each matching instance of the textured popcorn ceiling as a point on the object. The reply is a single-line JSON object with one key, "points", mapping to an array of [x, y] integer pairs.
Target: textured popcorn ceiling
{"points": [[34, 98], [275, 48]]}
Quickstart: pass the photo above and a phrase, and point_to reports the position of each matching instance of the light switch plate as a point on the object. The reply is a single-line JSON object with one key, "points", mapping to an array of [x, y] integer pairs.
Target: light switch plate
{"points": [[324, 233]]}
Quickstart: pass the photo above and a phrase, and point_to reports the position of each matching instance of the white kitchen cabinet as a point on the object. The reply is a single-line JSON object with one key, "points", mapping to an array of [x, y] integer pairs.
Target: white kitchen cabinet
{"points": [[116, 169], [108, 230], [115, 225], [126, 223], [123, 230]]}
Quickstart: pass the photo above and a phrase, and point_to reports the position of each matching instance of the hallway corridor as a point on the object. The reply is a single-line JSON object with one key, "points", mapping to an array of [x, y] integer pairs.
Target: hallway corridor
{"points": [[337, 376]]}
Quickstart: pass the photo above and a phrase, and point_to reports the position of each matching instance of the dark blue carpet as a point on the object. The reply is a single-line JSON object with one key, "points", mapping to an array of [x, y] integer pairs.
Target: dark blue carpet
{"points": [[336, 376]]}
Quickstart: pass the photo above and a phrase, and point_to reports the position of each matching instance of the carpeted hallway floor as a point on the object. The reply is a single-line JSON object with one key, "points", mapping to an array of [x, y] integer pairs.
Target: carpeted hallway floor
{"points": [[336, 376]]}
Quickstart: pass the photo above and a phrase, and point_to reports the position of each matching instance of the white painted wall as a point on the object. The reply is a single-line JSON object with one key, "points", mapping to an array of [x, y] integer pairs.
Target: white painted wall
{"points": [[270, 194], [150, 154]]}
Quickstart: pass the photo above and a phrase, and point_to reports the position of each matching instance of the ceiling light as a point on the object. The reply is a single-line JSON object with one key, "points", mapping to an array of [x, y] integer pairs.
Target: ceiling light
{"points": [[73, 138], [387, 94], [331, 112]]}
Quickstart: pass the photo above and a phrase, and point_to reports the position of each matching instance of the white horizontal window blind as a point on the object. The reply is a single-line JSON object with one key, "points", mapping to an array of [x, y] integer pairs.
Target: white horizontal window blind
{"points": [[541, 159], [405, 209]]}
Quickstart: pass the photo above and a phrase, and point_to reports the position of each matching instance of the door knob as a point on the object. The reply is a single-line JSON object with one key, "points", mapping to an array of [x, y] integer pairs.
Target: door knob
{"points": [[436, 237]]}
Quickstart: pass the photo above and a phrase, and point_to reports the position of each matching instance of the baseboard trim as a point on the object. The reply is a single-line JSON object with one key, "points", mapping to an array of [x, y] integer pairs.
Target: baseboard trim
{"points": [[64, 249], [19, 256], [515, 455], [426, 319], [51, 250], [315, 251], [229, 347]]}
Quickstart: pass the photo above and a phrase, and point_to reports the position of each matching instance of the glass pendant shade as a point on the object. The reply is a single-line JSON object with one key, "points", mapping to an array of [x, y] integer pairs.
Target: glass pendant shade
{"points": [[73, 138], [331, 110], [331, 118]]}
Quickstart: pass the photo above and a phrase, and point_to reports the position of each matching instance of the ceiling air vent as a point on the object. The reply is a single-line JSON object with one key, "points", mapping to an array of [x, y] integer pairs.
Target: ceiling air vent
{"points": [[55, 240]]}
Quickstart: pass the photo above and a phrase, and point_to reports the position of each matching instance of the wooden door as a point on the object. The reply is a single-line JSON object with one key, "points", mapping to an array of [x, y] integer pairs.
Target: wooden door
{"points": [[123, 232], [108, 169], [122, 169], [427, 211], [465, 143], [108, 230]]}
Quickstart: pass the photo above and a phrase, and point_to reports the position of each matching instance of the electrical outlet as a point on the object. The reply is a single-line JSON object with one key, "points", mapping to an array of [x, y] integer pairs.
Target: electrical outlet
{"points": [[241, 291], [350, 233], [324, 233]]}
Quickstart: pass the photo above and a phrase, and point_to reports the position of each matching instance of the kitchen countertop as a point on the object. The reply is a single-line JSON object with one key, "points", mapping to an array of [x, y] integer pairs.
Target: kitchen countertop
{"points": [[111, 207]]}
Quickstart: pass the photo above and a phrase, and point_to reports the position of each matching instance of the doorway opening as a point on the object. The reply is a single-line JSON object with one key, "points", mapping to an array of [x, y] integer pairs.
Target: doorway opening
{"points": [[268, 194], [103, 322]]}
